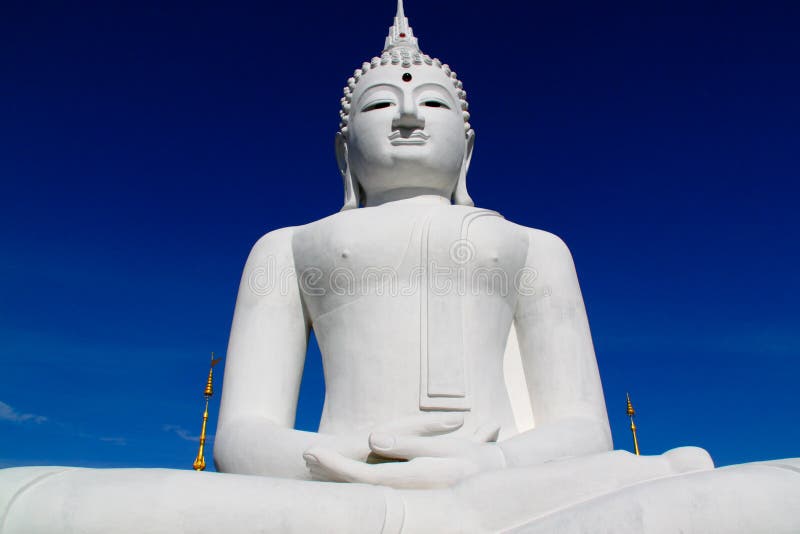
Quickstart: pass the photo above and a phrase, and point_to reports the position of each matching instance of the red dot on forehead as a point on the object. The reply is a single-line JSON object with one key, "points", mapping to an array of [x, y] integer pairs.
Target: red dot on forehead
{"points": [[407, 77]]}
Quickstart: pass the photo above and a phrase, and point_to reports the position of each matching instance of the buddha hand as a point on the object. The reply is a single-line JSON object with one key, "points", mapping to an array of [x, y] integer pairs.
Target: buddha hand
{"points": [[417, 457], [357, 447]]}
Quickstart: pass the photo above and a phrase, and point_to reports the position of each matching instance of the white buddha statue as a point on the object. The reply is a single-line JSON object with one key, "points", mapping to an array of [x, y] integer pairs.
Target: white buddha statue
{"points": [[417, 299]]}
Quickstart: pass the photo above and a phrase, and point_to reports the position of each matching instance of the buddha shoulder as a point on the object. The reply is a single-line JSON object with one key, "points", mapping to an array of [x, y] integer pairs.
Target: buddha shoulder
{"points": [[543, 241], [273, 247], [548, 255]]}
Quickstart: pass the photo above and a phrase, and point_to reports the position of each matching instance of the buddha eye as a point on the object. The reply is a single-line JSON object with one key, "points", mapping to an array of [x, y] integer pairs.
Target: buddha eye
{"points": [[377, 105], [434, 104]]}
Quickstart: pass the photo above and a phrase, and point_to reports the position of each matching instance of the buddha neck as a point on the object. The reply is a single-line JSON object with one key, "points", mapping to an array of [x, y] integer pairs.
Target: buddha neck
{"points": [[411, 195]]}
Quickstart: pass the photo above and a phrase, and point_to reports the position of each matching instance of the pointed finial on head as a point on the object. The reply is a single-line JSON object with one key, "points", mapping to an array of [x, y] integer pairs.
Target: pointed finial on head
{"points": [[400, 34]]}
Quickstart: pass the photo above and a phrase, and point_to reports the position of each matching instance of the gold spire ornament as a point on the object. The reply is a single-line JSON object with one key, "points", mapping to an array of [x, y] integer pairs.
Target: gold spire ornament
{"points": [[631, 413], [200, 461]]}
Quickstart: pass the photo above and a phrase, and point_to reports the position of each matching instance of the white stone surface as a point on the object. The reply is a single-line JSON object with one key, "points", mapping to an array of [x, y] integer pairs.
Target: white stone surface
{"points": [[451, 338], [570, 496]]}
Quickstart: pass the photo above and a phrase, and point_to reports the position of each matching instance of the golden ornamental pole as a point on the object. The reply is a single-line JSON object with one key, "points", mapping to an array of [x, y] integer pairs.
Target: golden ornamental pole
{"points": [[631, 413], [200, 461]]}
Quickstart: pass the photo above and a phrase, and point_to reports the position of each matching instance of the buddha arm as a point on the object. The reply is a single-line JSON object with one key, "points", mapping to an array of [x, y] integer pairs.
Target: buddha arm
{"points": [[559, 362], [263, 368]]}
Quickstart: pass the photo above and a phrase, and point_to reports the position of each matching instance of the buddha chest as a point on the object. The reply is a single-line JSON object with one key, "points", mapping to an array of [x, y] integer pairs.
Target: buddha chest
{"points": [[429, 289], [451, 251]]}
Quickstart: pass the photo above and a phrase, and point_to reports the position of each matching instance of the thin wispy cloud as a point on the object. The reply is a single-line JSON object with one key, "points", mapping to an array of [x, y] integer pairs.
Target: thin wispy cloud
{"points": [[7, 413], [183, 433], [114, 440]]}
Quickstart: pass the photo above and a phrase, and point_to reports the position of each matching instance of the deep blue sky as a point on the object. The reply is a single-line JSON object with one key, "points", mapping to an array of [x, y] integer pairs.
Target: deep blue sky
{"points": [[144, 147]]}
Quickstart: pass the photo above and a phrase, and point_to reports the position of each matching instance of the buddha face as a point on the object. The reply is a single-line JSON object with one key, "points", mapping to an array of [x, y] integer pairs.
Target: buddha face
{"points": [[405, 135]]}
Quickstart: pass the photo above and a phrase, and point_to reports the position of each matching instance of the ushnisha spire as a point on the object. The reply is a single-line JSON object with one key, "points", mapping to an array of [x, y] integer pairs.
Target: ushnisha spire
{"points": [[400, 33]]}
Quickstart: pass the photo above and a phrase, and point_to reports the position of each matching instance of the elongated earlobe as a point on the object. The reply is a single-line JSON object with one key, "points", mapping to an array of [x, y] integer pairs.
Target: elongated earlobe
{"points": [[460, 194], [350, 185]]}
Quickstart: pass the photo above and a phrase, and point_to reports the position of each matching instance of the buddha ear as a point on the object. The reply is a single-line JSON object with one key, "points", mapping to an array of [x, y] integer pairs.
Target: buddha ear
{"points": [[460, 195], [350, 185]]}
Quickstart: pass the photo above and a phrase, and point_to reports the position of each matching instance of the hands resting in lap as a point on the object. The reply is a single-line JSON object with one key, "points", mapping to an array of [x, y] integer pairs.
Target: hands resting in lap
{"points": [[412, 453]]}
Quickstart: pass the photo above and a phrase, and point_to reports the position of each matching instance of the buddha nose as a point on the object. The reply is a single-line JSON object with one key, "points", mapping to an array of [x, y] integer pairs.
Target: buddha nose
{"points": [[408, 116]]}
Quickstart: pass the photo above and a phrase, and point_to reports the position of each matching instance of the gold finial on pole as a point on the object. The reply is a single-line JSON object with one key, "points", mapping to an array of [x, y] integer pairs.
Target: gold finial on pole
{"points": [[200, 461], [631, 413]]}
